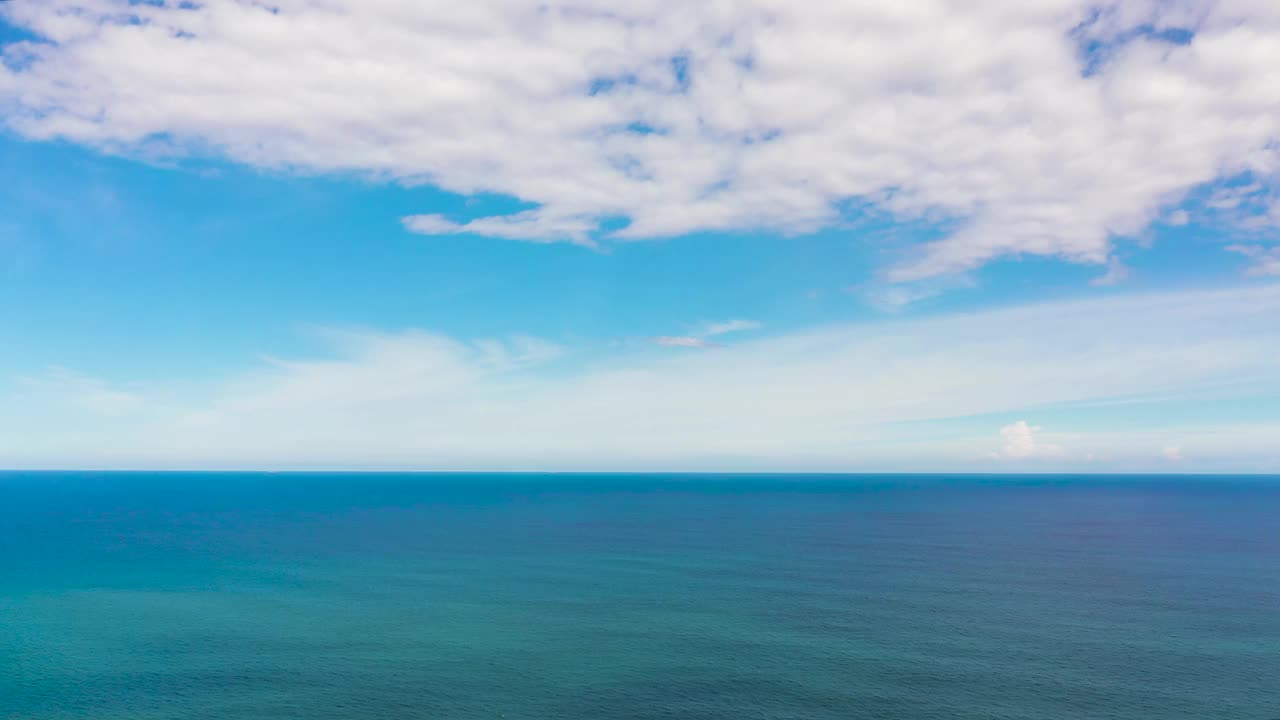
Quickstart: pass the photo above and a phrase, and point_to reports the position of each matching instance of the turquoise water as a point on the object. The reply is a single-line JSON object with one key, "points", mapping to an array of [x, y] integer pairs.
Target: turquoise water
{"points": [[457, 597]]}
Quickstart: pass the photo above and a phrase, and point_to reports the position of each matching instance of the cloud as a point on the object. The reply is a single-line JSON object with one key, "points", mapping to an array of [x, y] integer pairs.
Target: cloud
{"points": [[1266, 260], [841, 397], [531, 225], [1245, 206], [892, 297], [1022, 441], [728, 326], [709, 330], [1045, 128], [1173, 454], [683, 341], [1116, 273], [82, 392]]}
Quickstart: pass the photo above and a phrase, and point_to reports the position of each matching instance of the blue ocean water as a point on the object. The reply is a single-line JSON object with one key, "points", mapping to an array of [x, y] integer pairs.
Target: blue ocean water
{"points": [[609, 597]]}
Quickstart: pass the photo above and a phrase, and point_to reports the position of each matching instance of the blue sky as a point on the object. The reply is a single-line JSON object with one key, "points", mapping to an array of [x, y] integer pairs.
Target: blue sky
{"points": [[768, 238]]}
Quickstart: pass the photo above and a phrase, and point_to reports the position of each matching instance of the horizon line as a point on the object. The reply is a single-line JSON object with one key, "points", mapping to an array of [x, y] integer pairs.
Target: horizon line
{"points": [[707, 473]]}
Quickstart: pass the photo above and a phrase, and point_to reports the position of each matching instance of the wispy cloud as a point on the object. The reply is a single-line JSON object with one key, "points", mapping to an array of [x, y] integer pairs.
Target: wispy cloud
{"points": [[532, 225], [682, 341], [838, 397], [729, 326], [82, 392], [891, 297], [1117, 272], [1266, 260], [700, 339]]}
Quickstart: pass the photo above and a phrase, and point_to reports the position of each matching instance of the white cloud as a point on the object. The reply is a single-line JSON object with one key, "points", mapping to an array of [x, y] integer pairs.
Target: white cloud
{"points": [[678, 116], [1248, 208], [1117, 272], [82, 392], [1266, 260], [836, 398], [1022, 441], [892, 297], [531, 225], [699, 339], [1173, 453], [728, 326], [683, 341]]}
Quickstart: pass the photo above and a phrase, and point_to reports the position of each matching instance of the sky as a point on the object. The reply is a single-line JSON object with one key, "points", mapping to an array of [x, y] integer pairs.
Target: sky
{"points": [[759, 235]]}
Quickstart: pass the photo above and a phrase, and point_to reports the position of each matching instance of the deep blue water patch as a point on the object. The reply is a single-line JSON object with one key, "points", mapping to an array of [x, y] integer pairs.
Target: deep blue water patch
{"points": [[586, 596]]}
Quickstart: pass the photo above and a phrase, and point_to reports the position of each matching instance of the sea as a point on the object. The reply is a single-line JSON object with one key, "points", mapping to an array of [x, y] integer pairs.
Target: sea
{"points": [[638, 597]]}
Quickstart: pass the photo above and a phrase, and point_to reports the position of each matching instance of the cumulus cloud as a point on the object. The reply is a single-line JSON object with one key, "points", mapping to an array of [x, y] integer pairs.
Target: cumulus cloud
{"points": [[834, 398], [1022, 441], [1045, 128]]}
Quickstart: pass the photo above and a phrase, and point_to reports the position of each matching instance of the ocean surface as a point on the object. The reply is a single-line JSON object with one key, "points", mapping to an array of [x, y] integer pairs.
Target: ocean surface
{"points": [[641, 597]]}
